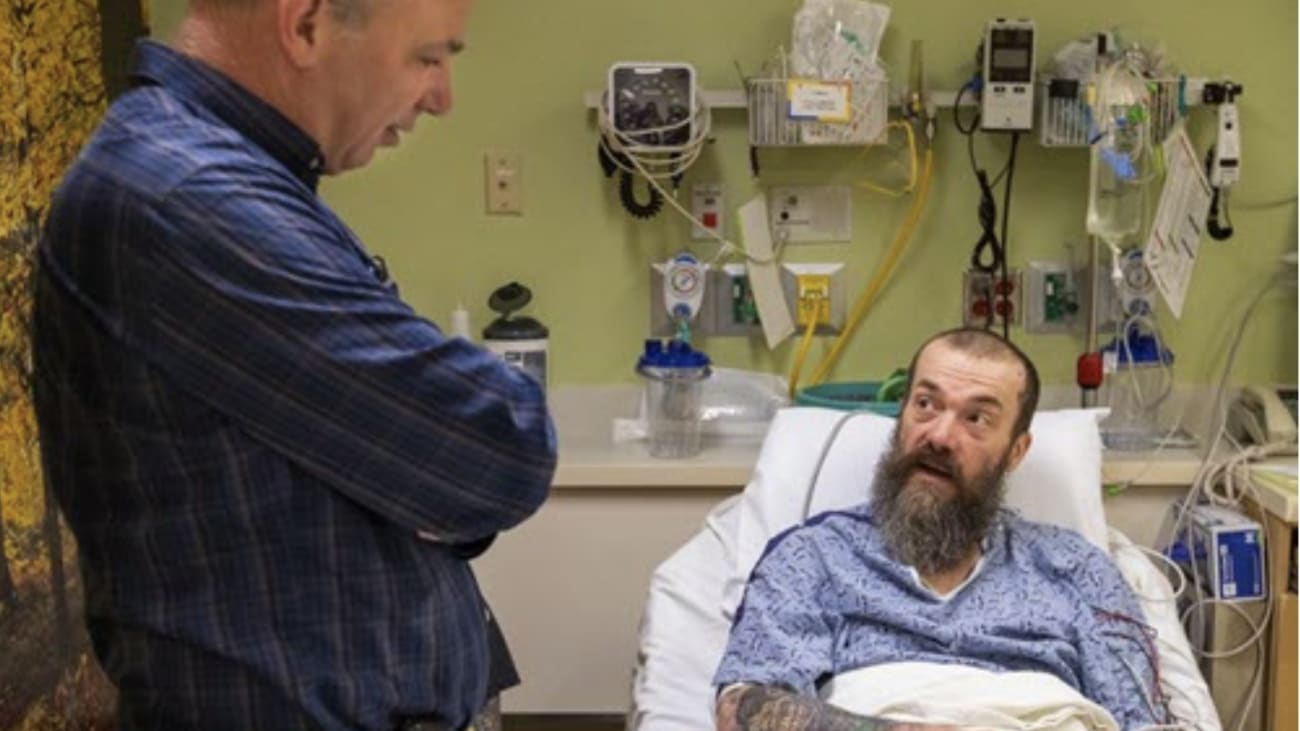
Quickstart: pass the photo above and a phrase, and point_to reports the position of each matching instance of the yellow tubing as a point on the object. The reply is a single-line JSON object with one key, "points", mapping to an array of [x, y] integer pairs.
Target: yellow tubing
{"points": [[868, 297], [912, 165], [802, 354]]}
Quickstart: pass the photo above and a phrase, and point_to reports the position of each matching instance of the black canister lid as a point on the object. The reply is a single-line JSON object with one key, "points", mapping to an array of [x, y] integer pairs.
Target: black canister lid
{"points": [[506, 300]]}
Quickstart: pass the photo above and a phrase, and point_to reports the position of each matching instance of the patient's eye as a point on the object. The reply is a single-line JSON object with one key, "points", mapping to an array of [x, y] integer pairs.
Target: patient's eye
{"points": [[923, 403]]}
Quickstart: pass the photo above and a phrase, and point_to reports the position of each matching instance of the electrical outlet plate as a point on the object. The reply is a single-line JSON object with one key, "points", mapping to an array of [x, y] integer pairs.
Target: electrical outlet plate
{"points": [[736, 313], [1054, 299], [503, 182], [831, 319], [985, 296], [804, 213]]}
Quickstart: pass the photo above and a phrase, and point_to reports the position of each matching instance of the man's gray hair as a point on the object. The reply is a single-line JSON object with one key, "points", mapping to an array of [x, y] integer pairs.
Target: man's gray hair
{"points": [[351, 13]]}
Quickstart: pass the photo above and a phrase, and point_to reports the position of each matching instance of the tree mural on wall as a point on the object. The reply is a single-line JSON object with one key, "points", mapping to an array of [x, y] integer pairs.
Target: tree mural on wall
{"points": [[55, 56]]}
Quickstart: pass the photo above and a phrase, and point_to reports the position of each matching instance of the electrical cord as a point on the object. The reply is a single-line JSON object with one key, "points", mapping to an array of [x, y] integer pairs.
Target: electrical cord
{"points": [[1208, 475], [627, 195], [1006, 218], [623, 152], [990, 252]]}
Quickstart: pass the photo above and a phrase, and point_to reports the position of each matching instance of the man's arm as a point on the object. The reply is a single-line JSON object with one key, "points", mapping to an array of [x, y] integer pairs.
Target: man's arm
{"points": [[255, 302], [1117, 655], [771, 708]]}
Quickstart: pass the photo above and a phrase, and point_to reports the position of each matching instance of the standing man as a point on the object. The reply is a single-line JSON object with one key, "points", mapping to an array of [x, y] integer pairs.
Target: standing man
{"points": [[276, 471]]}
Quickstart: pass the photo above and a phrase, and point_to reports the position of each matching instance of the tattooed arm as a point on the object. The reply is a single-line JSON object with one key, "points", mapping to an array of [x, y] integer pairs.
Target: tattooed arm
{"points": [[770, 708]]}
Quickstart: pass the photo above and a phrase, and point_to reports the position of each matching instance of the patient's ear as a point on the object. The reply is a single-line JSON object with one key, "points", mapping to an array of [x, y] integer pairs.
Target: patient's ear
{"points": [[1019, 447]]}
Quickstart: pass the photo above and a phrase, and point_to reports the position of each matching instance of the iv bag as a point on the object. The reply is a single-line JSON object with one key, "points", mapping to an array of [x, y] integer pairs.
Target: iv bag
{"points": [[1115, 193]]}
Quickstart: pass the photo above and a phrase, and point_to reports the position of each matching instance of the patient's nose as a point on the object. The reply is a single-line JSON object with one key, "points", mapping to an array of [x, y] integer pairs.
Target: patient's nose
{"points": [[941, 432]]}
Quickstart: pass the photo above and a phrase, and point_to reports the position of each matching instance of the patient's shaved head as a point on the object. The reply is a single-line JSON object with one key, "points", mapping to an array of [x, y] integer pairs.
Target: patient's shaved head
{"points": [[924, 530]]}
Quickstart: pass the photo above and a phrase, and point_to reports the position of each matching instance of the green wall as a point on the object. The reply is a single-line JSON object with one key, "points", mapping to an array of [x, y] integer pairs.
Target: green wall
{"points": [[520, 86]]}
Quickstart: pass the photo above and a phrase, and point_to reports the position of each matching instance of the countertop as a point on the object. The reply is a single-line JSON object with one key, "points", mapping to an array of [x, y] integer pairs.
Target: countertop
{"points": [[590, 457]]}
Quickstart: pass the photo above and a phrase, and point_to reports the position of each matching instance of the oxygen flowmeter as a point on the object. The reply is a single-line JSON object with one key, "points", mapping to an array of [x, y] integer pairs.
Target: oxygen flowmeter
{"points": [[1007, 99]]}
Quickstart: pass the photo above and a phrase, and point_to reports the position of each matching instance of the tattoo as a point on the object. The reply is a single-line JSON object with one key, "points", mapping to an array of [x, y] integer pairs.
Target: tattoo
{"points": [[769, 708]]}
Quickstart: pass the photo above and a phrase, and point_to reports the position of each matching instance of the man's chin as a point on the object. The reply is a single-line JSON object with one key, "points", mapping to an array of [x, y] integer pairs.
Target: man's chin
{"points": [[358, 159]]}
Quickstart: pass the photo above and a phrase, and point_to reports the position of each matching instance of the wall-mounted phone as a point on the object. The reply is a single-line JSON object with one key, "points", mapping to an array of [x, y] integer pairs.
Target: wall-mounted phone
{"points": [[1263, 414]]}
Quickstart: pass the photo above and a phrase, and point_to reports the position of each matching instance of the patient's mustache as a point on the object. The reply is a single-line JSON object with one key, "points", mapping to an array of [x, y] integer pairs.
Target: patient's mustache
{"points": [[929, 458]]}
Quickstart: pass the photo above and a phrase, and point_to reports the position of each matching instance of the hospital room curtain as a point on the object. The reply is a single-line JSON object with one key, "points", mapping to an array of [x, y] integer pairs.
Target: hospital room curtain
{"points": [[60, 61]]}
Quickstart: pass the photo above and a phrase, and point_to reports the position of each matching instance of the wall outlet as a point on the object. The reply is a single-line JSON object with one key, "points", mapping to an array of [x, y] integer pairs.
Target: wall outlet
{"points": [[987, 298], [815, 291], [801, 213], [503, 182]]}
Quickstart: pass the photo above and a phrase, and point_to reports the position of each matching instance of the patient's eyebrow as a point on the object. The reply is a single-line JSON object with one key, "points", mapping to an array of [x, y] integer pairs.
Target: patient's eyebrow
{"points": [[983, 399]]}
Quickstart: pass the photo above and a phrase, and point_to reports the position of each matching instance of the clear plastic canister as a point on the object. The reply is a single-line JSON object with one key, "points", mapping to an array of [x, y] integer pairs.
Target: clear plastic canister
{"points": [[674, 379], [1137, 391], [1139, 385]]}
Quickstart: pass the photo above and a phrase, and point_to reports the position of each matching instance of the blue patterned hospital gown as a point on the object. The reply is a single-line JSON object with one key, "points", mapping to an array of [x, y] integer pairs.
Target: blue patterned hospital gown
{"points": [[826, 598]]}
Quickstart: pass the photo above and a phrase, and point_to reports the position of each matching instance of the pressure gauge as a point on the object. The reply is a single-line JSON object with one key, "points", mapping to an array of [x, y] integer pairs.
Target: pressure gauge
{"points": [[656, 99]]}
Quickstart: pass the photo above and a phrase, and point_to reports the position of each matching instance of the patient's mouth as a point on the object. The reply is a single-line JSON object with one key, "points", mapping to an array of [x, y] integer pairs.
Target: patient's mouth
{"points": [[936, 468]]}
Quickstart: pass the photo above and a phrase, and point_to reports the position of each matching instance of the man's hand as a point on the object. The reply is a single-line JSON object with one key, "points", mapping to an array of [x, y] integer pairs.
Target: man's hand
{"points": [[769, 708]]}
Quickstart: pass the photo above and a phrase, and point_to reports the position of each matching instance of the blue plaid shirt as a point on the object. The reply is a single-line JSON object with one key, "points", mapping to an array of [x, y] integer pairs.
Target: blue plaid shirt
{"points": [[247, 430]]}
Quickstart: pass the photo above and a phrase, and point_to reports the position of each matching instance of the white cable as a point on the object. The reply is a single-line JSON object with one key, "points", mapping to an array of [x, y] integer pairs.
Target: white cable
{"points": [[1168, 563], [666, 162], [1257, 630], [1211, 473], [1138, 683]]}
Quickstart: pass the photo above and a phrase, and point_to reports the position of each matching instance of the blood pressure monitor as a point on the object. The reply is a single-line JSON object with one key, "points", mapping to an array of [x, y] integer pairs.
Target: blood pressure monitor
{"points": [[647, 97], [1007, 101]]}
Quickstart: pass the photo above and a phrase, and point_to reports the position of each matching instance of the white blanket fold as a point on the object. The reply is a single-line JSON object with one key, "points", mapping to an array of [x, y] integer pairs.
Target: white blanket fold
{"points": [[968, 697]]}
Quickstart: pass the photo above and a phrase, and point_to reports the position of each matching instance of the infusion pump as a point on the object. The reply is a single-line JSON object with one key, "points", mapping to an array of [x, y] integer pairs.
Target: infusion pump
{"points": [[1007, 100]]}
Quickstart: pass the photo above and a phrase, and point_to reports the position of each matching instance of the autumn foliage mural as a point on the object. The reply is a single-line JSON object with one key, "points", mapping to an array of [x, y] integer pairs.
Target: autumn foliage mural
{"points": [[52, 94]]}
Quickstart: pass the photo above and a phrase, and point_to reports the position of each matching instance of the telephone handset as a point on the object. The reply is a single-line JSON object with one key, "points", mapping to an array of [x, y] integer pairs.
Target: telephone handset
{"points": [[1260, 415]]}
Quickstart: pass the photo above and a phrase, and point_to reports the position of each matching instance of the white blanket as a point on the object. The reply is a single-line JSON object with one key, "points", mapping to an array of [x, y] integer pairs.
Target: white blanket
{"points": [[968, 697]]}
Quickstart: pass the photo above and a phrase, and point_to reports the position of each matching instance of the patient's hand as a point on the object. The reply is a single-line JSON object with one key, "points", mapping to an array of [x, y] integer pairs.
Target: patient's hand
{"points": [[769, 708]]}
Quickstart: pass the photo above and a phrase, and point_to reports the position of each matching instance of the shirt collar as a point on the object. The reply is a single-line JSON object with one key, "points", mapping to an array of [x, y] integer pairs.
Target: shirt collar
{"points": [[194, 81]]}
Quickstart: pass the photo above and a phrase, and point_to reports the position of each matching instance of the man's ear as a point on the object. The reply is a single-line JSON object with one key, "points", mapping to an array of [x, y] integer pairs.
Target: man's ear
{"points": [[1019, 447], [300, 29]]}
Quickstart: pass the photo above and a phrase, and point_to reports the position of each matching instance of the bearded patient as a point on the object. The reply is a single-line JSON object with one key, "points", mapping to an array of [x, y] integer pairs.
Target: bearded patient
{"points": [[933, 570]]}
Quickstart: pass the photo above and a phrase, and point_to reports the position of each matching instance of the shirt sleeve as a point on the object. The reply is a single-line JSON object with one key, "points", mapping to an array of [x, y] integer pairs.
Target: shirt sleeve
{"points": [[260, 304], [1118, 649], [781, 634]]}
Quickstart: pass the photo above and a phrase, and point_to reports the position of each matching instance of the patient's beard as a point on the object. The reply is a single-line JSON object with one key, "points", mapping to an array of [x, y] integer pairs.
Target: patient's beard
{"points": [[926, 531]]}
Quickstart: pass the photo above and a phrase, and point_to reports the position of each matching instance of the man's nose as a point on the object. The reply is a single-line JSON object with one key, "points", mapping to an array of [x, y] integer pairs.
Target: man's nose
{"points": [[437, 100], [941, 432]]}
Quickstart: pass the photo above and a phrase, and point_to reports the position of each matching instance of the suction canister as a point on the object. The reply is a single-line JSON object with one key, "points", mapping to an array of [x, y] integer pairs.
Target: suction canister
{"points": [[521, 341]]}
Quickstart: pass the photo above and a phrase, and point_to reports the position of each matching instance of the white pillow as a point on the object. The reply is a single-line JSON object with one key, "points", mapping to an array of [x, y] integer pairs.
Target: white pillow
{"points": [[1058, 482]]}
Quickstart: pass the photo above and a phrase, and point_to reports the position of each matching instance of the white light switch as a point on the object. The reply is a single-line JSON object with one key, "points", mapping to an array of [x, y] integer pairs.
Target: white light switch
{"points": [[504, 182]]}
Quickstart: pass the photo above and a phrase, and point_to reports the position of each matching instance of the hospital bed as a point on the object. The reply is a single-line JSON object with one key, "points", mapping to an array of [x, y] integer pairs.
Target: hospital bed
{"points": [[814, 460]]}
